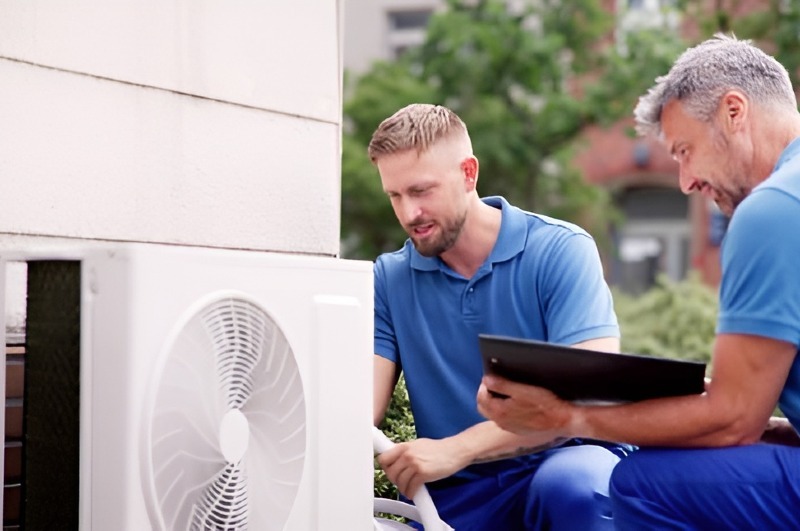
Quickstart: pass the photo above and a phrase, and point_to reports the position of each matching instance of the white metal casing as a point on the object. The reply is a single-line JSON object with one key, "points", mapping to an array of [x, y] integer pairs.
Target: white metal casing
{"points": [[133, 297]]}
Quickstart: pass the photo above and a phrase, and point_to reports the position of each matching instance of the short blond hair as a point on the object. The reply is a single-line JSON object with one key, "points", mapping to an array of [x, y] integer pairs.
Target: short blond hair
{"points": [[417, 126]]}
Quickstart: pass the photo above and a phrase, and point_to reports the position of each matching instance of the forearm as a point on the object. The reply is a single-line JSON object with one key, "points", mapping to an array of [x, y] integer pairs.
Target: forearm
{"points": [[486, 442], [410, 464], [749, 373], [689, 421], [385, 376]]}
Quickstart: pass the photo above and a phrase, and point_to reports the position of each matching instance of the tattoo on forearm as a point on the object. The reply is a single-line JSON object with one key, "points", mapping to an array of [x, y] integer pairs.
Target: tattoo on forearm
{"points": [[522, 450]]}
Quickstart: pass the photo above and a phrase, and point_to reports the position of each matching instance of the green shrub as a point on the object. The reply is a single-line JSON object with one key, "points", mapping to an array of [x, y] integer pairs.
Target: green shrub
{"points": [[398, 425], [672, 319]]}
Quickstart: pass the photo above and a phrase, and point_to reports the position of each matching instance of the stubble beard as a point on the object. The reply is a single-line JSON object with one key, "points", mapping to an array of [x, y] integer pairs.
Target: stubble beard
{"points": [[729, 194], [437, 244]]}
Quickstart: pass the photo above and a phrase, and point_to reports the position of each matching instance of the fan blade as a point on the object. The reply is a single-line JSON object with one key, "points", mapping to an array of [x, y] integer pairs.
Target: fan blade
{"points": [[223, 505], [236, 328]]}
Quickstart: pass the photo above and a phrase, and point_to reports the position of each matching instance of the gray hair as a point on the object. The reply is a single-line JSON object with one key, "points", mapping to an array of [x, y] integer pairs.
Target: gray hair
{"points": [[417, 126], [703, 74]]}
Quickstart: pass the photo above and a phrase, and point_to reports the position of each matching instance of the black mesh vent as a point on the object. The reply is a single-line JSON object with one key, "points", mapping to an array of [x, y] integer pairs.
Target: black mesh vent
{"points": [[52, 396]]}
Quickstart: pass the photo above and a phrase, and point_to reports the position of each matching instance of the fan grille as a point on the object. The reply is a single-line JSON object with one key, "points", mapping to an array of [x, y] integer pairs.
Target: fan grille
{"points": [[223, 504], [237, 331], [227, 426]]}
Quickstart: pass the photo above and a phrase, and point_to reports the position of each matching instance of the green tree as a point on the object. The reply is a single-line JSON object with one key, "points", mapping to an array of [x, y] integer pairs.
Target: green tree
{"points": [[527, 82], [630, 69]]}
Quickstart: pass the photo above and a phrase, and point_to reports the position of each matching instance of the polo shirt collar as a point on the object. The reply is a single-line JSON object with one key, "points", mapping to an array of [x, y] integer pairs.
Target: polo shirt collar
{"points": [[510, 241], [789, 153]]}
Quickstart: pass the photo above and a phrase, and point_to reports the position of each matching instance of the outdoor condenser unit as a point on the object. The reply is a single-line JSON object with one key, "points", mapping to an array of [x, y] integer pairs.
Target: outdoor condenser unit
{"points": [[178, 388]]}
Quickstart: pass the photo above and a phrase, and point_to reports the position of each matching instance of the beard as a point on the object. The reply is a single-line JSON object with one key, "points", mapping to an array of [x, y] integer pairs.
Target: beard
{"points": [[728, 203], [730, 194], [732, 191], [436, 244], [730, 199]]}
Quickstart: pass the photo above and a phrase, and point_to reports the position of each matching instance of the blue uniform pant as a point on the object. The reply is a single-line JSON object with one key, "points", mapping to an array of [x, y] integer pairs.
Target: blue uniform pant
{"points": [[563, 489], [741, 488]]}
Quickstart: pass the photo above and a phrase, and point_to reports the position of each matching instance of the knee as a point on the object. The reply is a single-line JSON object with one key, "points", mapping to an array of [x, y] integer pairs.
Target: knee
{"points": [[643, 494], [622, 475], [627, 477], [570, 490], [582, 478]]}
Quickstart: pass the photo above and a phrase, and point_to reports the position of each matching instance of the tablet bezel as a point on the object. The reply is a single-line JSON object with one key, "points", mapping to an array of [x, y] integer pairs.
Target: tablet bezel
{"points": [[579, 374]]}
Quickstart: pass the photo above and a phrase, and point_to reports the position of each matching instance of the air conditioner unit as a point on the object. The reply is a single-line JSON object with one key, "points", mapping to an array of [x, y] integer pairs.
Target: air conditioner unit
{"points": [[176, 388]]}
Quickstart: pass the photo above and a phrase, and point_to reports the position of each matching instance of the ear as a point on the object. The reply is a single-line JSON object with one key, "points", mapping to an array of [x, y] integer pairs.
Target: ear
{"points": [[469, 166], [734, 110]]}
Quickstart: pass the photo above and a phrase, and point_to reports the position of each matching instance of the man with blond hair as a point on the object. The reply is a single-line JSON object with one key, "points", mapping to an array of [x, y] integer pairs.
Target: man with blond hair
{"points": [[727, 112], [474, 266]]}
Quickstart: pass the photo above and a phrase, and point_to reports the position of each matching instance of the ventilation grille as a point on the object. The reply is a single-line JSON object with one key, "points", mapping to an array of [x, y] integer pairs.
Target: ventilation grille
{"points": [[227, 424]]}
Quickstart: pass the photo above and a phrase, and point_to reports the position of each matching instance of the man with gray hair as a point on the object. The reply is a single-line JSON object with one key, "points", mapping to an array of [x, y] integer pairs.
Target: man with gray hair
{"points": [[727, 113], [474, 266]]}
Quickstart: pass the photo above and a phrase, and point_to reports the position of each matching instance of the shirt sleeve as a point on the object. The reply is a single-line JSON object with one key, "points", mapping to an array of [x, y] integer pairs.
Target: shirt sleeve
{"points": [[760, 288], [385, 342], [577, 302]]}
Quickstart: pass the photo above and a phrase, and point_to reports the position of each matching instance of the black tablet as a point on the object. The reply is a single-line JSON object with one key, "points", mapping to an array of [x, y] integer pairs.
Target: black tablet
{"points": [[589, 375]]}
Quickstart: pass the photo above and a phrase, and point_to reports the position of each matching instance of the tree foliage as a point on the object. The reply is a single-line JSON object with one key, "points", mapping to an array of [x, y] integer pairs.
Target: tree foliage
{"points": [[526, 82]]}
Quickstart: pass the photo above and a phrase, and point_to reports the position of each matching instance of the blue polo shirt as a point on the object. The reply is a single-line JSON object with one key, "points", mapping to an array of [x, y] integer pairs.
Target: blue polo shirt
{"points": [[543, 280], [760, 288]]}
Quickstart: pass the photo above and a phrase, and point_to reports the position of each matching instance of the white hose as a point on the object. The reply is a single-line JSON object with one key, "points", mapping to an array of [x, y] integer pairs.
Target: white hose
{"points": [[423, 510]]}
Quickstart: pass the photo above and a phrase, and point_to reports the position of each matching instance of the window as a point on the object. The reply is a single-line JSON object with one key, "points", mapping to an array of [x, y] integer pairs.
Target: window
{"points": [[649, 5], [654, 238], [407, 29], [404, 20]]}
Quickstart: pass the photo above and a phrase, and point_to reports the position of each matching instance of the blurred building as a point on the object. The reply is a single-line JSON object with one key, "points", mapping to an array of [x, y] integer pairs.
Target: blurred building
{"points": [[383, 29], [664, 231]]}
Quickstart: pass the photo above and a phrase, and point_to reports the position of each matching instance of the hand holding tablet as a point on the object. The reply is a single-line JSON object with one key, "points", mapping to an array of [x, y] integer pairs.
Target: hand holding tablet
{"points": [[586, 375]]}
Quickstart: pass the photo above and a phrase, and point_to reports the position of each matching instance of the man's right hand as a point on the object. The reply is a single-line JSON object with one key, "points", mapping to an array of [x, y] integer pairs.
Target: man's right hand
{"points": [[411, 464]]}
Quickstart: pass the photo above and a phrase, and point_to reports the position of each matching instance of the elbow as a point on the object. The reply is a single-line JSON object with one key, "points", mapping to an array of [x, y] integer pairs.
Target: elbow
{"points": [[751, 432], [739, 439], [732, 420], [739, 432]]}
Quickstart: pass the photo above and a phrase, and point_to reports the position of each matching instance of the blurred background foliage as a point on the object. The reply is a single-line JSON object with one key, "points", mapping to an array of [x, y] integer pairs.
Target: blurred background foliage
{"points": [[671, 319], [526, 83]]}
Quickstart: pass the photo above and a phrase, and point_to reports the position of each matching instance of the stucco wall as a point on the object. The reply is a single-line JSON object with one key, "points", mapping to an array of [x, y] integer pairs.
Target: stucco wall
{"points": [[210, 123]]}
